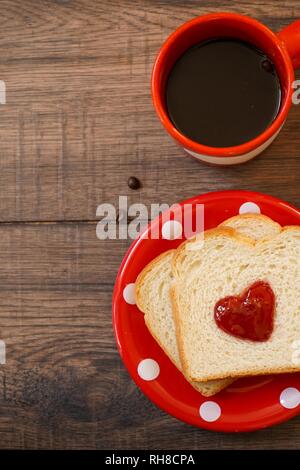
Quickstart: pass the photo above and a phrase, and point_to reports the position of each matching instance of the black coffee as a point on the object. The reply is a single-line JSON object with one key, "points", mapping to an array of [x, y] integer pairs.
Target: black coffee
{"points": [[223, 92]]}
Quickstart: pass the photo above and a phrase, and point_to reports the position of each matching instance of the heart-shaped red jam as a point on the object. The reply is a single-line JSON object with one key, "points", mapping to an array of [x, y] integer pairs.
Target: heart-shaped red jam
{"points": [[249, 315]]}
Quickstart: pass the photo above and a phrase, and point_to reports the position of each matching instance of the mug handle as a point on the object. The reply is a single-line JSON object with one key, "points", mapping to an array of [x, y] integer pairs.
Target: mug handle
{"points": [[290, 36]]}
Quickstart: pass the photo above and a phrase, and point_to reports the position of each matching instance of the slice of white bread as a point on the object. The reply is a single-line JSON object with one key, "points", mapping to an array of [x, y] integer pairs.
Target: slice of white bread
{"points": [[152, 294], [231, 263]]}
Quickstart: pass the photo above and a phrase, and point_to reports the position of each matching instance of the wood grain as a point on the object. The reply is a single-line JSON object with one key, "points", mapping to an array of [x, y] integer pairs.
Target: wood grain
{"points": [[78, 122]]}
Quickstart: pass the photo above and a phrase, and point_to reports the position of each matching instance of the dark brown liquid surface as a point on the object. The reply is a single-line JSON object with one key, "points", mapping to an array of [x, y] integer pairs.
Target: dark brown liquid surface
{"points": [[223, 93]]}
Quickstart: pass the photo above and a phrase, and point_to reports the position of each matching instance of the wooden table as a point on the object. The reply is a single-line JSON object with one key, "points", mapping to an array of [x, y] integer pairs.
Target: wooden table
{"points": [[77, 123]]}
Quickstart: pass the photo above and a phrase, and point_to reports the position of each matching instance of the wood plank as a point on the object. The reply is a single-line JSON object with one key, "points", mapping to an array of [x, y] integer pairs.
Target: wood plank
{"points": [[56, 282], [55, 304], [79, 119]]}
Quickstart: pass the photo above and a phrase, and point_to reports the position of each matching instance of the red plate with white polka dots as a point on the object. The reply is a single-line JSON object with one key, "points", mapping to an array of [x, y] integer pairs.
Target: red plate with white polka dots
{"points": [[249, 403]]}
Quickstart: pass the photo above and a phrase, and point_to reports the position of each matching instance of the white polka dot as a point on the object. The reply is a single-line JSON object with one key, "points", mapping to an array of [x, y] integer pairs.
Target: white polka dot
{"points": [[249, 208], [171, 230], [129, 293], [148, 369], [210, 411], [290, 398]]}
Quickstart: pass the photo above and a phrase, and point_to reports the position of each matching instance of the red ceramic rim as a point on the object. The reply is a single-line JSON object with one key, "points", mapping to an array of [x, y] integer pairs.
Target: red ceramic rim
{"points": [[247, 405], [224, 151]]}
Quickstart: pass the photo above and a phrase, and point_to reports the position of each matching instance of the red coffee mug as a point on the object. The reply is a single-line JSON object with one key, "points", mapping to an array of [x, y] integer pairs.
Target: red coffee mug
{"points": [[283, 49]]}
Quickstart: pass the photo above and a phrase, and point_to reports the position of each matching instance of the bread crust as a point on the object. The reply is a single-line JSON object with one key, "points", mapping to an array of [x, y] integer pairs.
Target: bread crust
{"points": [[257, 217], [246, 373], [177, 321]]}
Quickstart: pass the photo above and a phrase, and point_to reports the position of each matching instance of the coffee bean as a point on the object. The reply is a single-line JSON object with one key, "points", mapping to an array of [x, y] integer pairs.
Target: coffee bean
{"points": [[133, 182]]}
